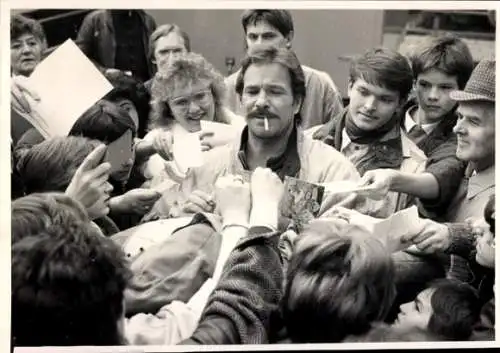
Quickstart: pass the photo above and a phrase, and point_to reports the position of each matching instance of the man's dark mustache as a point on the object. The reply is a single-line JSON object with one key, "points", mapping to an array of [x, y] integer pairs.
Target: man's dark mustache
{"points": [[261, 113]]}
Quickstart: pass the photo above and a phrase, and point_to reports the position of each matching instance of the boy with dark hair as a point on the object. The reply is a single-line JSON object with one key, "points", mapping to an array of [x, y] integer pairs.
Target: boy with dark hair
{"points": [[68, 287], [338, 283], [368, 131], [440, 65], [131, 95], [448, 308]]}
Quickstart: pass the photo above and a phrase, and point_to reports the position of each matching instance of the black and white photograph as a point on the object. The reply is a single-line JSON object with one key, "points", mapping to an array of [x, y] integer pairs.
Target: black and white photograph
{"points": [[160, 153]]}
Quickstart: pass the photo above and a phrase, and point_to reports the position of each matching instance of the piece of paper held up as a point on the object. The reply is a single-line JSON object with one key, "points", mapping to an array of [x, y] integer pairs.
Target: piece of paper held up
{"points": [[345, 187], [186, 149], [68, 84], [392, 229]]}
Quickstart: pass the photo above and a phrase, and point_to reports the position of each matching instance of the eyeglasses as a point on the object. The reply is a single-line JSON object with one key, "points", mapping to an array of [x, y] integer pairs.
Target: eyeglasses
{"points": [[183, 102]]}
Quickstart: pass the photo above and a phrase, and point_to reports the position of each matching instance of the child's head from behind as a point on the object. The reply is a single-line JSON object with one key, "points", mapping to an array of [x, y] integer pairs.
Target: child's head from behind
{"points": [[440, 65], [68, 287], [339, 282]]}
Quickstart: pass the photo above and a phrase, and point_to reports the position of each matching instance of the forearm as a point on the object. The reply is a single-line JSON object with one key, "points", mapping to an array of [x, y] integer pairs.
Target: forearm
{"points": [[421, 185]]}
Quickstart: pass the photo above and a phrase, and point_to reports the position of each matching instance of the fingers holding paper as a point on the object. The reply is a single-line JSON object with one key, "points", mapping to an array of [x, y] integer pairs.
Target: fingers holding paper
{"points": [[163, 144], [377, 183], [433, 237], [89, 183], [199, 201]]}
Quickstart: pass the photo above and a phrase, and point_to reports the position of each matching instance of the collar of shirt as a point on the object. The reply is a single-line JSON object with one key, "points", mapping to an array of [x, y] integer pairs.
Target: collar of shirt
{"points": [[479, 181], [287, 163], [410, 123], [346, 141]]}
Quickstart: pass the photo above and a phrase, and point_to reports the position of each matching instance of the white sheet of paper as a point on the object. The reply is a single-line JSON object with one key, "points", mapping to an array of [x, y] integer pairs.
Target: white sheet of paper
{"points": [[152, 233], [344, 187], [186, 149], [398, 225], [68, 84]]}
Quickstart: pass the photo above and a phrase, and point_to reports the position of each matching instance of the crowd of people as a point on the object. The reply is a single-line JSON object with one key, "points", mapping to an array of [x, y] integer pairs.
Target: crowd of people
{"points": [[151, 252]]}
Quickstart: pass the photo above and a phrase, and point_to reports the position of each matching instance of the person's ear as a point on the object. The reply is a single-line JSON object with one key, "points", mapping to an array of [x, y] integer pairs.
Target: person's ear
{"points": [[288, 40]]}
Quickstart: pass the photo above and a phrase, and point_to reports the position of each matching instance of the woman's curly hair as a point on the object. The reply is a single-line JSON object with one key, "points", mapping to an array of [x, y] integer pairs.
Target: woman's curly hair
{"points": [[184, 69]]}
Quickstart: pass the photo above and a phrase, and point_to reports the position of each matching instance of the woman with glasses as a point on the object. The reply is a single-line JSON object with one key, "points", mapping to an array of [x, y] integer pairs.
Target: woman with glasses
{"points": [[187, 96]]}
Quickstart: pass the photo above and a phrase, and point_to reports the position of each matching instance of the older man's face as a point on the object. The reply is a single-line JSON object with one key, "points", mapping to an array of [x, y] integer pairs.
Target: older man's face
{"points": [[167, 48], [25, 54], [475, 131]]}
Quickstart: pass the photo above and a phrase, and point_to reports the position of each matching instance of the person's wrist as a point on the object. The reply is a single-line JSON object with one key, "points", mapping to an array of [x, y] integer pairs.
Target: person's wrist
{"points": [[234, 217], [265, 216], [116, 203]]}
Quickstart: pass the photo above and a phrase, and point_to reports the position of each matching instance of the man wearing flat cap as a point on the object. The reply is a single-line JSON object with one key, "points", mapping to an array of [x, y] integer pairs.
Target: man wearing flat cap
{"points": [[475, 130]]}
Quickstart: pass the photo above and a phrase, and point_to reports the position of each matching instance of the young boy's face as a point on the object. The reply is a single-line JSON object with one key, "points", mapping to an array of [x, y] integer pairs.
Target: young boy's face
{"points": [[371, 106], [433, 89], [418, 312], [485, 249]]}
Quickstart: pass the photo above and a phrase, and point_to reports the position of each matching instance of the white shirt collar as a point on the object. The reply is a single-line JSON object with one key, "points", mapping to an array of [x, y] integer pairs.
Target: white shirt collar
{"points": [[410, 123], [345, 140]]}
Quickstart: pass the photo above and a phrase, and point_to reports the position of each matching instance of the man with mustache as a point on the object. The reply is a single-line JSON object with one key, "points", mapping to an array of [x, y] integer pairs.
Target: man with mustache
{"points": [[271, 88], [368, 131]]}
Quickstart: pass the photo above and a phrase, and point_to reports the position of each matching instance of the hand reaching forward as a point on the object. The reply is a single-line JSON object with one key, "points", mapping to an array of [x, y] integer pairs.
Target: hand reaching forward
{"points": [[89, 184]]}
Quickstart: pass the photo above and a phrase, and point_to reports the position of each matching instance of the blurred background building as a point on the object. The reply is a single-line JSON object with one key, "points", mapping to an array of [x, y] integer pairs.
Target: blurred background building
{"points": [[324, 39]]}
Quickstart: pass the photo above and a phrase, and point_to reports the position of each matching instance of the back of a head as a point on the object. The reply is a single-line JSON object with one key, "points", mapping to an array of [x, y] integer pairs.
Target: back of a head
{"points": [[455, 309], [279, 19], [104, 121], [447, 53], [68, 287], [385, 68], [50, 165], [339, 282], [20, 25], [32, 214]]}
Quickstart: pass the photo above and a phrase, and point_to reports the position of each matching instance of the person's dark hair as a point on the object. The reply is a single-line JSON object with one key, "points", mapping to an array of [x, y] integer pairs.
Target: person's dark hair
{"points": [[339, 281], [385, 68], [50, 165], [20, 25], [455, 309], [447, 53], [127, 87], [261, 55], [489, 213], [104, 121], [279, 19], [163, 31], [33, 213], [68, 287]]}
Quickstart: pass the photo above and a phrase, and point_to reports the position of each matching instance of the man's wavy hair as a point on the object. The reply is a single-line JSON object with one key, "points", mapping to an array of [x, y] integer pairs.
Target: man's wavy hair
{"points": [[188, 68], [265, 54], [340, 281]]}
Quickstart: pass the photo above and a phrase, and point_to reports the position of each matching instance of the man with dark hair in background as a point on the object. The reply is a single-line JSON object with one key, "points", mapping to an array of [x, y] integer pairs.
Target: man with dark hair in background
{"points": [[322, 100], [118, 40]]}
